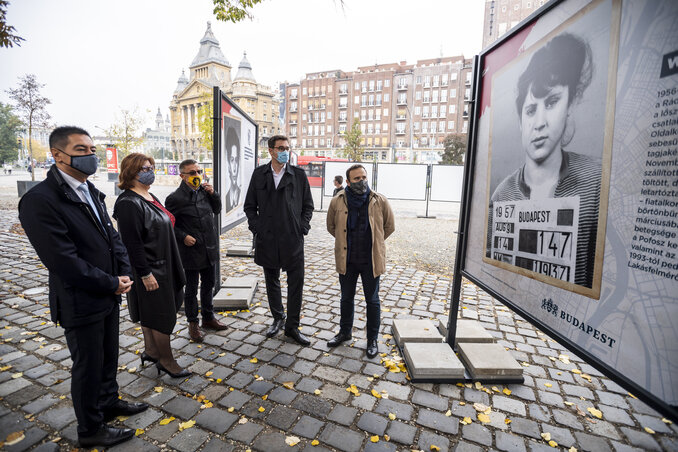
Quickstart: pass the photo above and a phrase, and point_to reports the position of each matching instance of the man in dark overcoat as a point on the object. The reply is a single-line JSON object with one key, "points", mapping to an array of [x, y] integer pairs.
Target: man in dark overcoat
{"points": [[194, 205], [279, 208], [65, 219]]}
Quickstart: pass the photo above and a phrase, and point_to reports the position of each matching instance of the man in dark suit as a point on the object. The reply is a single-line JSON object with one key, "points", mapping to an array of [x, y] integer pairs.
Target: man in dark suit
{"points": [[194, 205], [66, 221], [279, 208]]}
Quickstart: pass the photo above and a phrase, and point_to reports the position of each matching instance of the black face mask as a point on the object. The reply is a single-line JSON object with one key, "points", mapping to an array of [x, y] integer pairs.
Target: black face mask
{"points": [[86, 164], [359, 188]]}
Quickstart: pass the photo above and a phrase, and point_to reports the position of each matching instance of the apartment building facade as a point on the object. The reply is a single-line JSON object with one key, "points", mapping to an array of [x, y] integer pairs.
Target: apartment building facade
{"points": [[404, 110], [502, 15]]}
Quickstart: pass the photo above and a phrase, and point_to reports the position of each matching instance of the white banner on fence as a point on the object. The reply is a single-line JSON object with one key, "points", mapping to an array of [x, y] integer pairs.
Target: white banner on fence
{"points": [[446, 183], [402, 181]]}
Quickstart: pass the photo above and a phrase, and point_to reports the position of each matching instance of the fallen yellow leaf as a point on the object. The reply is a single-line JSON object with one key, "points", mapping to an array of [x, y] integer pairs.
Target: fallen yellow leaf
{"points": [[17, 375], [484, 418], [649, 430], [666, 421], [292, 441], [548, 385], [158, 389], [374, 439], [467, 420], [435, 448], [230, 409], [387, 438], [546, 436], [289, 384], [507, 421], [254, 360], [167, 420], [553, 443], [317, 392], [261, 409], [185, 425], [207, 374], [572, 449], [315, 442], [140, 431], [376, 394], [448, 413], [595, 412], [14, 438], [391, 416], [264, 397], [506, 391]]}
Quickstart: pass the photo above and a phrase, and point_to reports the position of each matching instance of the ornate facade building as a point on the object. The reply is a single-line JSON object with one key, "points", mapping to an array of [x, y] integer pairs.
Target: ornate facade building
{"points": [[502, 15], [210, 68]]}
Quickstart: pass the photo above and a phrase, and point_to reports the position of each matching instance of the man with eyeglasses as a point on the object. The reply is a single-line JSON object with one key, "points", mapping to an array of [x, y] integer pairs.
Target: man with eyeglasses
{"points": [[65, 219], [279, 208], [194, 205]]}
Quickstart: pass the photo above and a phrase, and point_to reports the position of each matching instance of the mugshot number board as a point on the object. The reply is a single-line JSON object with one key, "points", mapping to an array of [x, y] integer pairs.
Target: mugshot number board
{"points": [[587, 251]]}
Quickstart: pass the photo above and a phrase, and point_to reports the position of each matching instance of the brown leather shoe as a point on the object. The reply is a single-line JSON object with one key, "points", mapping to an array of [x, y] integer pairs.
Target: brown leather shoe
{"points": [[213, 324], [194, 332]]}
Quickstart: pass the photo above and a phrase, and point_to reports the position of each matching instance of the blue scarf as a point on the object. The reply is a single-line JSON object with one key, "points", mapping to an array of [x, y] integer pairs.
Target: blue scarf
{"points": [[355, 202]]}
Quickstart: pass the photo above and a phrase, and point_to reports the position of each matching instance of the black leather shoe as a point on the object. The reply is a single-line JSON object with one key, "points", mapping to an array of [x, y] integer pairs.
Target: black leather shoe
{"points": [[372, 348], [275, 327], [298, 337], [106, 436], [338, 339], [122, 408]]}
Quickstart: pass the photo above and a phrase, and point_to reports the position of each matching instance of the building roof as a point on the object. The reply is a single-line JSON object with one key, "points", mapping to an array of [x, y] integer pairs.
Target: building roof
{"points": [[244, 70], [181, 83], [209, 51]]}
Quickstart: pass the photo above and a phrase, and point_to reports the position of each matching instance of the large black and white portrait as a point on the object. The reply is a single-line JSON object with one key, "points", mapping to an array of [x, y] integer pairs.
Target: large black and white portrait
{"points": [[547, 150], [233, 164]]}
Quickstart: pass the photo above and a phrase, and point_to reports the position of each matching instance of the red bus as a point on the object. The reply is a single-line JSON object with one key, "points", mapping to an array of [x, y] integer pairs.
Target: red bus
{"points": [[313, 166]]}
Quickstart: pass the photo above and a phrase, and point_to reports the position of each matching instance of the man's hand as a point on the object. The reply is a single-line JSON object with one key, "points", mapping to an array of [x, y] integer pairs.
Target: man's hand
{"points": [[208, 188], [124, 285], [150, 283], [189, 240]]}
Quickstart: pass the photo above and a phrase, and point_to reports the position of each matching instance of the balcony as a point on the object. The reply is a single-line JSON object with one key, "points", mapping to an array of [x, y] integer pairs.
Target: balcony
{"points": [[464, 114], [343, 93], [293, 96], [401, 102], [400, 132], [293, 121], [401, 117], [293, 109], [343, 105], [427, 100], [402, 87], [342, 119]]}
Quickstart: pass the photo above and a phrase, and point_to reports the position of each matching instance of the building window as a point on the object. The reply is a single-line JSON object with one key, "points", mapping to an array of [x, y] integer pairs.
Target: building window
{"points": [[453, 109], [304, 91], [362, 115], [443, 96], [387, 83], [385, 111], [425, 112], [371, 85], [453, 76], [434, 95], [443, 111], [417, 95], [357, 85], [357, 99], [442, 126], [380, 83], [387, 97], [453, 92], [378, 100], [450, 125], [417, 110], [364, 88], [418, 79]]}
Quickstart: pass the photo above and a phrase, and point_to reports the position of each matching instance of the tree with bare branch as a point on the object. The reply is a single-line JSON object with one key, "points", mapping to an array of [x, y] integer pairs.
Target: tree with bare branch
{"points": [[32, 107]]}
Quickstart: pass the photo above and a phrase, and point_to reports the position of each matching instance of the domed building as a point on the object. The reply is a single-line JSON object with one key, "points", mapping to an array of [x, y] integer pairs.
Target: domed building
{"points": [[211, 68]]}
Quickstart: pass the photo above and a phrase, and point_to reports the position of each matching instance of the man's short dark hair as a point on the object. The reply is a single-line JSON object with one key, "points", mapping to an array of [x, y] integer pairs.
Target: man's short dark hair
{"points": [[185, 163], [274, 138], [339, 179], [58, 139], [351, 168]]}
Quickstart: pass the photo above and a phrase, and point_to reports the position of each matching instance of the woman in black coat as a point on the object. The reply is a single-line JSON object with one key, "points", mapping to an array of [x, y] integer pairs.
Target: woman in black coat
{"points": [[146, 229]]}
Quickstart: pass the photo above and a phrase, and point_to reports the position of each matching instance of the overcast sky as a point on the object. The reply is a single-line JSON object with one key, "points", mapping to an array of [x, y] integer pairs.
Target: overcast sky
{"points": [[97, 57]]}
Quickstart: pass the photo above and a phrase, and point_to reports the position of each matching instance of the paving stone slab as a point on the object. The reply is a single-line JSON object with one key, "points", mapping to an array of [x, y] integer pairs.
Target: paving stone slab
{"points": [[216, 420], [342, 438], [432, 361], [489, 362], [233, 298], [189, 440], [414, 330], [240, 251]]}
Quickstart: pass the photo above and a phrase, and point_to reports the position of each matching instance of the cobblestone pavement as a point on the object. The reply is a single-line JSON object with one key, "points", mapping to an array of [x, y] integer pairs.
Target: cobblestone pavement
{"points": [[250, 392]]}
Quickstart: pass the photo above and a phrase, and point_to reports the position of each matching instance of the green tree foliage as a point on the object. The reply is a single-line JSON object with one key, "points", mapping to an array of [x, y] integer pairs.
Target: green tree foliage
{"points": [[7, 36], [10, 126], [126, 131], [353, 149], [233, 10], [205, 121], [455, 149], [31, 106]]}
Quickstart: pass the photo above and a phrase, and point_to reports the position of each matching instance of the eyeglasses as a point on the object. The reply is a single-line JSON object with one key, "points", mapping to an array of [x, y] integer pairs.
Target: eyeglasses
{"points": [[193, 172], [282, 148], [147, 169]]}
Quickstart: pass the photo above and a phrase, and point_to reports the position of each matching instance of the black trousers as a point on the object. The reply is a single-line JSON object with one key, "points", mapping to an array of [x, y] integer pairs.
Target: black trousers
{"points": [[207, 276], [94, 351], [295, 286]]}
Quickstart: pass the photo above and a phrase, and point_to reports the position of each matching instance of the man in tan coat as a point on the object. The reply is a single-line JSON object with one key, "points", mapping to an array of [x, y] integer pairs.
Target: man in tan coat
{"points": [[360, 220]]}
